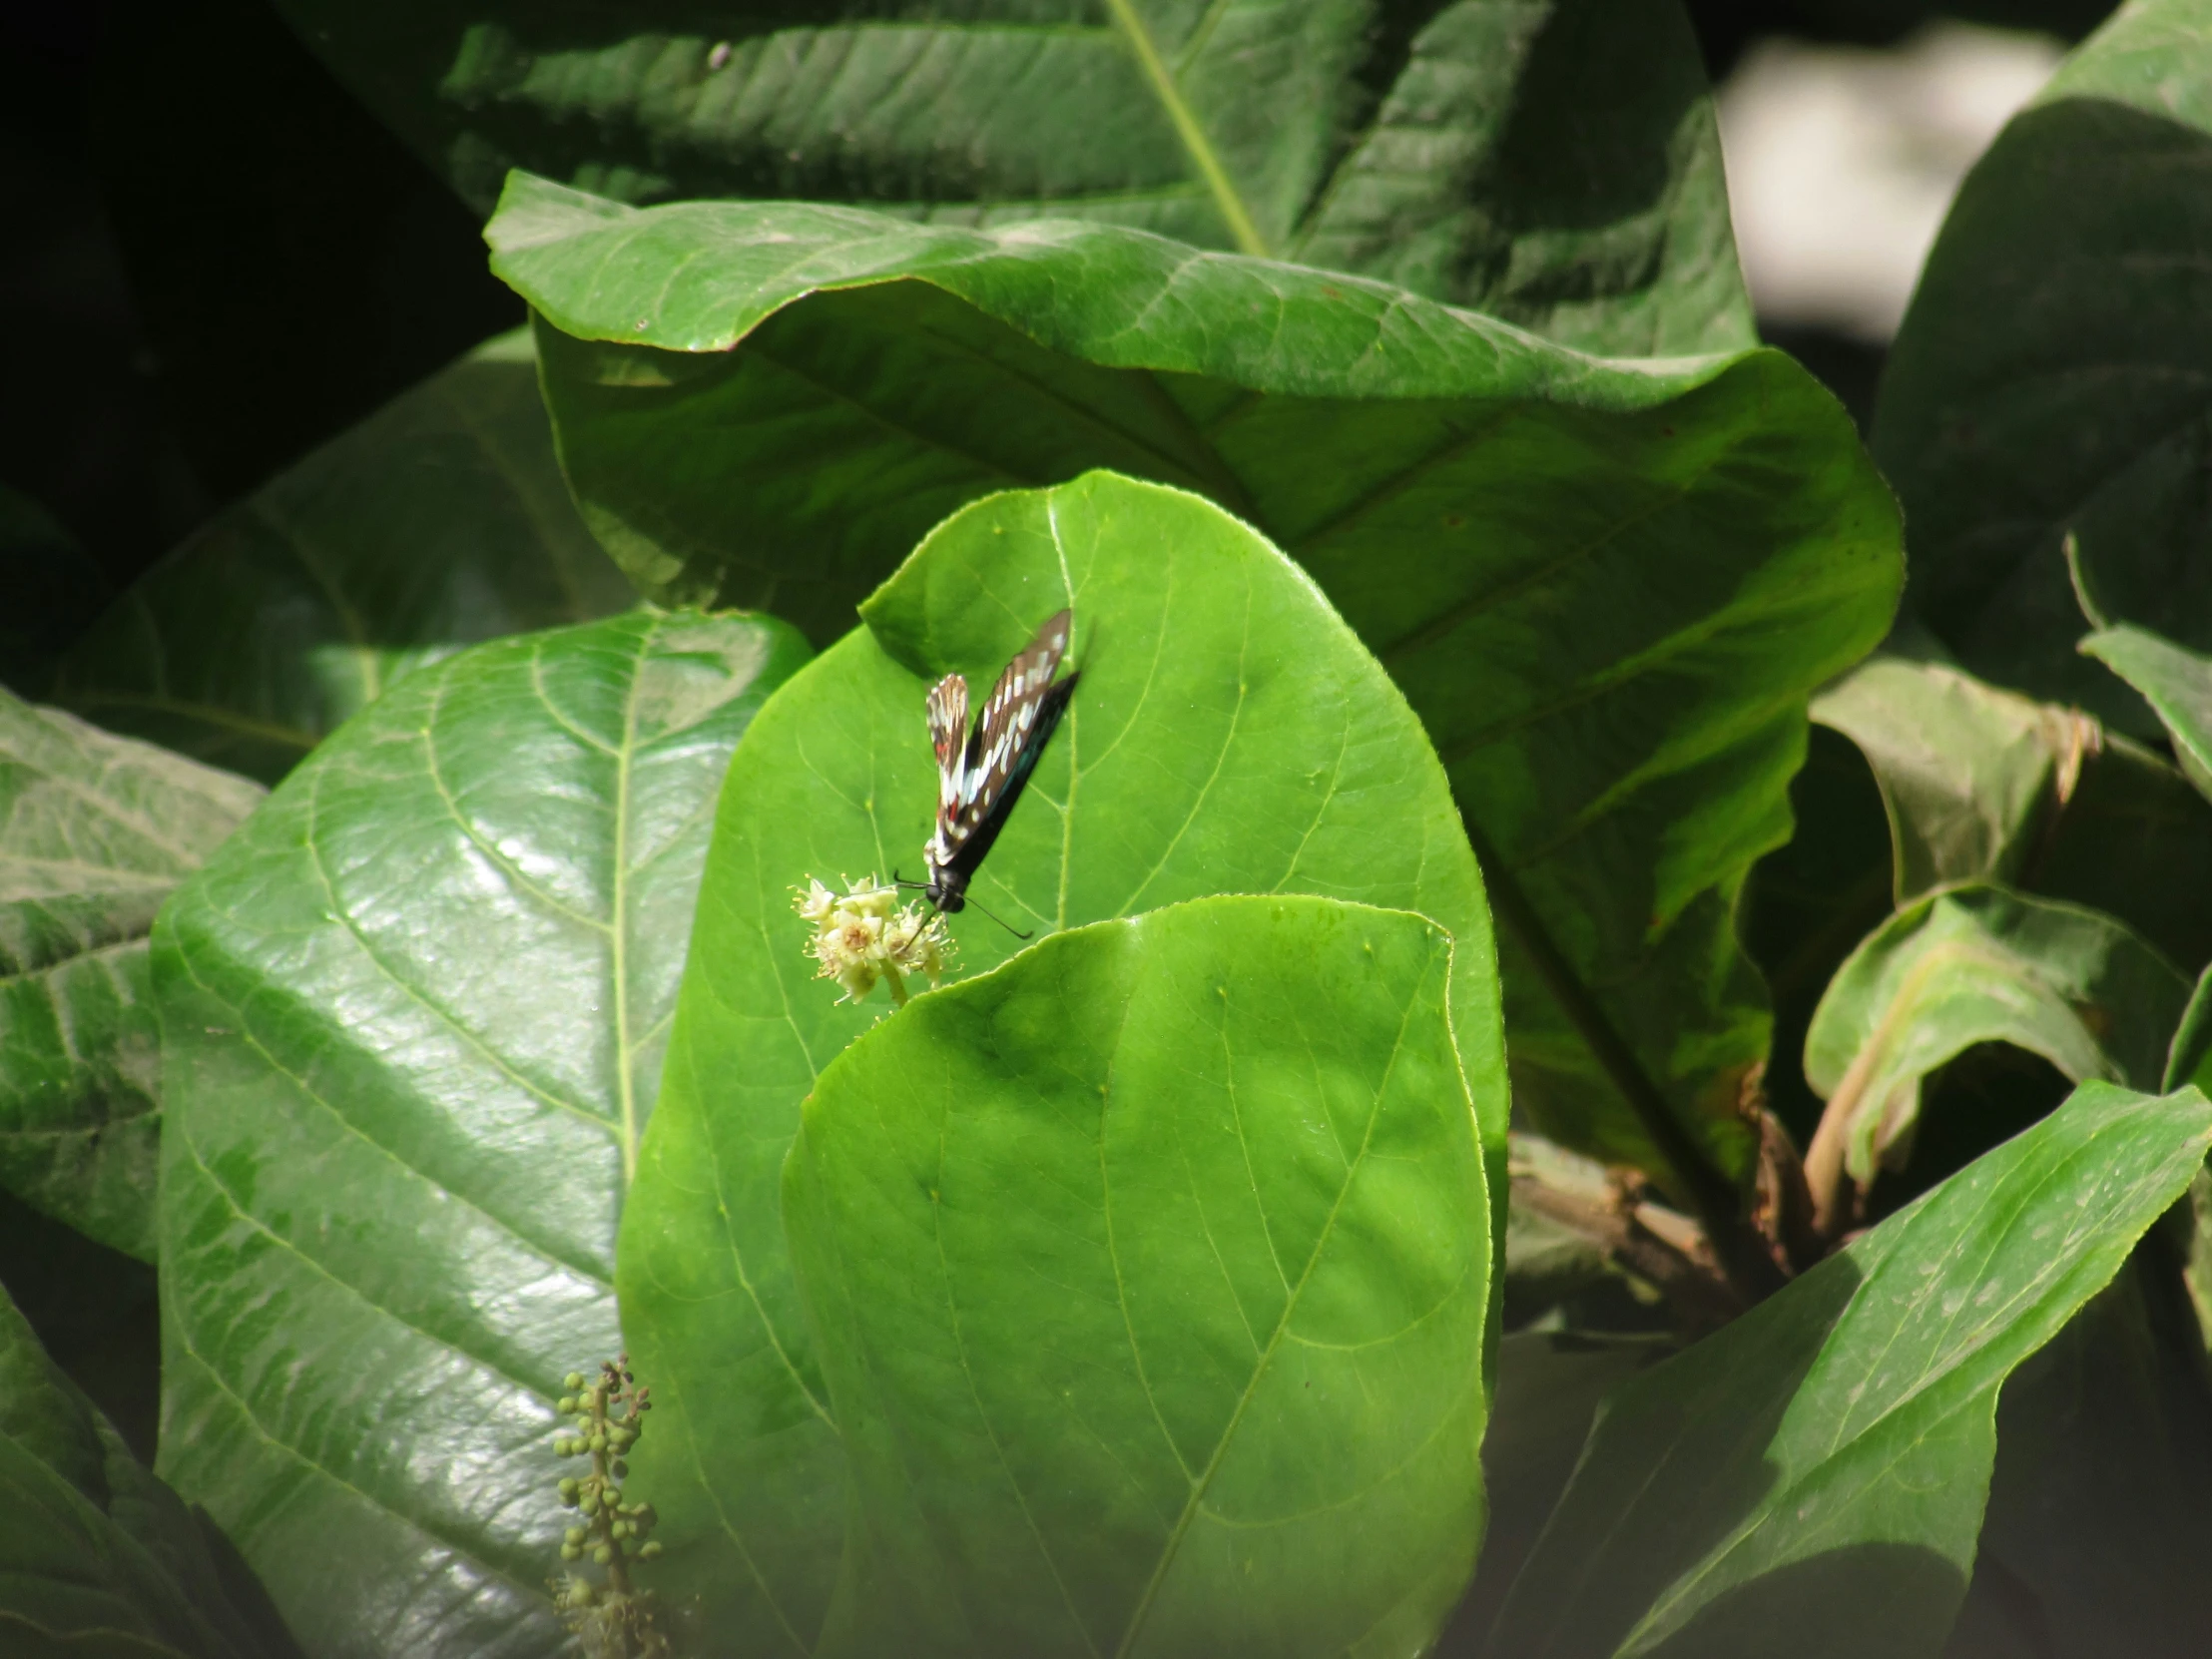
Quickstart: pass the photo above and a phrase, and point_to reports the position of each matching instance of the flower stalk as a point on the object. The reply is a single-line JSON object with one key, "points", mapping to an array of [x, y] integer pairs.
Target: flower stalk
{"points": [[615, 1620]]}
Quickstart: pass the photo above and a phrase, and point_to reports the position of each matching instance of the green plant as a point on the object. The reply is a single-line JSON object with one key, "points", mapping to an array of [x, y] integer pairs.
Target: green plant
{"points": [[1497, 929]]}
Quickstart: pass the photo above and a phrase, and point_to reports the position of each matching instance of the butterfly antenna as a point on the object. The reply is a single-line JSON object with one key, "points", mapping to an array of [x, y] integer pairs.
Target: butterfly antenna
{"points": [[1009, 927]]}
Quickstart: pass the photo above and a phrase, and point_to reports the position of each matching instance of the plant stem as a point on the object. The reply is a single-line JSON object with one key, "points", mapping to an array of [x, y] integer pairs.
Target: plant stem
{"points": [[1711, 1195]]}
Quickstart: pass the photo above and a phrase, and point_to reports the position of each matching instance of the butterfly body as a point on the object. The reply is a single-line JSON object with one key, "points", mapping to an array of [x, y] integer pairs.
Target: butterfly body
{"points": [[981, 771]]}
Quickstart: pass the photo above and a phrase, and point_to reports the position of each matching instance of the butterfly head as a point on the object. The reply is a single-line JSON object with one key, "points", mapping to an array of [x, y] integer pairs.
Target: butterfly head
{"points": [[946, 889]]}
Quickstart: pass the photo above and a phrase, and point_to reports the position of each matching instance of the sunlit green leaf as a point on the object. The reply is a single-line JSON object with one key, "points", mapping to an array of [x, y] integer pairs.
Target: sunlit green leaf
{"points": [[1813, 1475], [95, 833], [1606, 588], [413, 1014], [1971, 965], [1554, 162], [1150, 1272], [438, 521], [1229, 735], [2176, 682]]}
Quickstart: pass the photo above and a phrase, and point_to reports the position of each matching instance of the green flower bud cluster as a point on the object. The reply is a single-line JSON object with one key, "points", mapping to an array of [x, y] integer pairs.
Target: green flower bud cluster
{"points": [[606, 1413]]}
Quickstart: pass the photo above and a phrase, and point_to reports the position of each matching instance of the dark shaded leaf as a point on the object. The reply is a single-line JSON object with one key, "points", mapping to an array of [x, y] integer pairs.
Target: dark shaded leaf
{"points": [[2097, 1529], [289, 266], [1550, 1387], [1982, 785], [438, 521], [1819, 1468], [1552, 162], [1969, 773], [95, 833], [49, 590], [1810, 903], [412, 1020], [2051, 378], [98, 1559]]}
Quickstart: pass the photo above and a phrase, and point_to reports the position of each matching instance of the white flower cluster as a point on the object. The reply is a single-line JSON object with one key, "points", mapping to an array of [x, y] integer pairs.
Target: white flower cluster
{"points": [[865, 935]]}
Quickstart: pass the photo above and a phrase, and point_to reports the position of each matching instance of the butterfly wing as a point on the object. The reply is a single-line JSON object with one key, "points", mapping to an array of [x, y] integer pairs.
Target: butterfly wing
{"points": [[1017, 721], [948, 737]]}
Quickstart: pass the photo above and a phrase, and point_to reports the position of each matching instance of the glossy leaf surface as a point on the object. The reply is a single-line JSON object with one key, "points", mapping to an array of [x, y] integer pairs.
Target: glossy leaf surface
{"points": [[1151, 1273], [1983, 964], [1229, 735], [2050, 379], [439, 521], [412, 1020], [1819, 1466], [1607, 588], [95, 833], [98, 1559], [1554, 162]]}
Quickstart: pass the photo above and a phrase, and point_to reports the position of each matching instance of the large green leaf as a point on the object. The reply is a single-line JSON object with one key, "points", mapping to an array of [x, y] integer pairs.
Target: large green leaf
{"points": [[1229, 735], [1554, 162], [412, 1018], [439, 521], [95, 831], [1607, 588], [1813, 1477], [2051, 378], [98, 1559], [1982, 785], [1151, 1275], [2176, 682], [1971, 965]]}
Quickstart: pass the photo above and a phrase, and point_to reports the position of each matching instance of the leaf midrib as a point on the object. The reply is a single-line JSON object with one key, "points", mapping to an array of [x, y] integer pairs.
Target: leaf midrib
{"points": [[1205, 1481], [1189, 129]]}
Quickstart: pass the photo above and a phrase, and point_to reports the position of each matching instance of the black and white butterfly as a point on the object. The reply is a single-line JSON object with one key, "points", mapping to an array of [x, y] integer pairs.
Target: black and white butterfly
{"points": [[981, 771]]}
